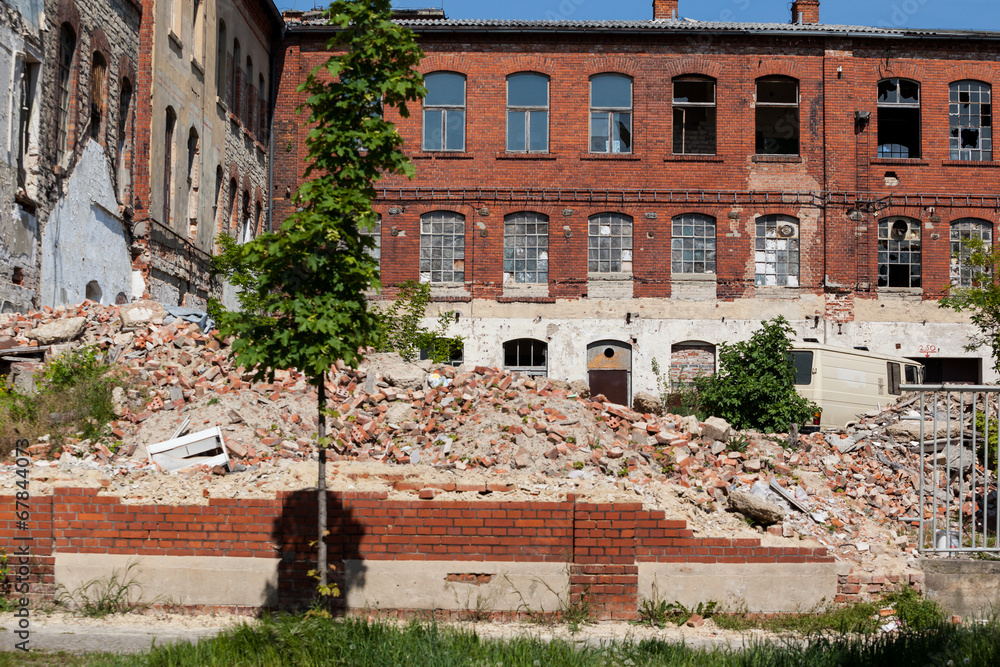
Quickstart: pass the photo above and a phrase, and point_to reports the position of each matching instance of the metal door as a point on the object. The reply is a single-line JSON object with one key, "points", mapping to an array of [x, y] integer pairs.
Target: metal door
{"points": [[609, 367]]}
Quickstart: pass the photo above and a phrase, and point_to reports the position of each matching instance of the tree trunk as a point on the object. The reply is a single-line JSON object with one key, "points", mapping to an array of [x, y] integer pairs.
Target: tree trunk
{"points": [[321, 498]]}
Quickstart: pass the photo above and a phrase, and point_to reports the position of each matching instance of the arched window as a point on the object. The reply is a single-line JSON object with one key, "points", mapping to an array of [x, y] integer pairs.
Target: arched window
{"points": [[168, 164], [610, 114], [249, 101], [776, 251], [442, 247], [970, 111], [609, 243], [262, 113], [221, 69], [777, 117], [93, 291], [247, 221], [218, 207], [899, 252], [193, 185], [694, 116], [898, 118], [197, 31], [235, 80], [692, 244], [963, 234], [526, 355], [234, 193], [444, 112], [98, 73], [527, 113], [526, 248], [122, 169], [690, 360], [67, 47]]}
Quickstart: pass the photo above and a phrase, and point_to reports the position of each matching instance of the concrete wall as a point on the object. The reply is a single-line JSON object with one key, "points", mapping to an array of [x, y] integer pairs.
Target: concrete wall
{"points": [[969, 588], [85, 241]]}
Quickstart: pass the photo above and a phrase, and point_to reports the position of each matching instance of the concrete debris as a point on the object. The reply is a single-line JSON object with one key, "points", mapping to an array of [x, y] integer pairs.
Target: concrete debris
{"points": [[204, 448], [647, 403], [480, 432], [58, 331]]}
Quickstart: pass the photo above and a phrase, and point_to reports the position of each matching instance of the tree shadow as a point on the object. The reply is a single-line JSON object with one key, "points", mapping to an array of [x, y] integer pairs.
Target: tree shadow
{"points": [[296, 536]]}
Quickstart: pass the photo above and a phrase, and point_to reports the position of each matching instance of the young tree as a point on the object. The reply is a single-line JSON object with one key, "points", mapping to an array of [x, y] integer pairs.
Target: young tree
{"points": [[981, 299], [755, 385], [311, 275]]}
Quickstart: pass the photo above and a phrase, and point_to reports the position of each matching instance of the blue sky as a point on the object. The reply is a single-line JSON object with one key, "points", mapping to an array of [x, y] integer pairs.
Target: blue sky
{"points": [[963, 14]]}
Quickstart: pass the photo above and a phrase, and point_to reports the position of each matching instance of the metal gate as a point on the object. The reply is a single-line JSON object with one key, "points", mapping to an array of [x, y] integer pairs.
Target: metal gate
{"points": [[609, 369], [959, 455]]}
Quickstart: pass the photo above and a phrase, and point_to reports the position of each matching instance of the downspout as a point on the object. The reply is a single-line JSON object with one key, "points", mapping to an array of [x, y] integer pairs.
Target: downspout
{"points": [[826, 187]]}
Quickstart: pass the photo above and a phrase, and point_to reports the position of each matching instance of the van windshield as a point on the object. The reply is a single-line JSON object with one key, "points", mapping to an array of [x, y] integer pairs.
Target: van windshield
{"points": [[803, 362]]}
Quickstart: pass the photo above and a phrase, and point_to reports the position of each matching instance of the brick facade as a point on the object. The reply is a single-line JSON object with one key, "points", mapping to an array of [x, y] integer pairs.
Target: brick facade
{"points": [[835, 188]]}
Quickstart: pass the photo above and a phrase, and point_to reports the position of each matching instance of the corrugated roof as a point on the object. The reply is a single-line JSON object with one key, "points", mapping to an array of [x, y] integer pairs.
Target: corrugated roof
{"points": [[316, 19]]}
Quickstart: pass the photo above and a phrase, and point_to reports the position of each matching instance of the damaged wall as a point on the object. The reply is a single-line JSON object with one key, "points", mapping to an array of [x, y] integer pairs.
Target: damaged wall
{"points": [[85, 249]]}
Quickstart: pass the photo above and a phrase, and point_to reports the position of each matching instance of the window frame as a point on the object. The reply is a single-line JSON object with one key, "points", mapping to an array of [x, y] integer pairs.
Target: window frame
{"points": [[695, 219], [955, 148], [611, 112], [375, 234], [897, 106], [884, 236], [511, 246], [431, 241], [765, 222], [446, 110], [611, 218], [529, 111], [64, 84], [961, 276], [685, 106], [532, 345], [760, 141]]}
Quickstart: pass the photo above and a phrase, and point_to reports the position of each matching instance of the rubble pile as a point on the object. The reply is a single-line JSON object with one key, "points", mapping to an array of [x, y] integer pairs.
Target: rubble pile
{"points": [[443, 432]]}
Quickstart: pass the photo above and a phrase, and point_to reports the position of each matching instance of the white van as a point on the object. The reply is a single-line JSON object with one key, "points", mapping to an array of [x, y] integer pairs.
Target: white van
{"points": [[847, 382]]}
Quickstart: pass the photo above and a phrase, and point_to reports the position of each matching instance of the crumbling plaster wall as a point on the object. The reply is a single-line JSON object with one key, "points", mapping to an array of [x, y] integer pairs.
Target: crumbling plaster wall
{"points": [[19, 43], [85, 240], [653, 326]]}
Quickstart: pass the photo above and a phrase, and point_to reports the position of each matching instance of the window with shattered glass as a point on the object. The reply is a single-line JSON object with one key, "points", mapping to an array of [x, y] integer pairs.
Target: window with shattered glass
{"points": [[609, 244], [776, 251], [526, 248], [442, 247], [777, 116], [899, 252], [965, 234], [692, 244], [898, 118], [970, 112], [375, 233]]}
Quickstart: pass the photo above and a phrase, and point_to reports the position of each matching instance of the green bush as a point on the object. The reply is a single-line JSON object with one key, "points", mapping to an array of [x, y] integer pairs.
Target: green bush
{"points": [[916, 612], [755, 387]]}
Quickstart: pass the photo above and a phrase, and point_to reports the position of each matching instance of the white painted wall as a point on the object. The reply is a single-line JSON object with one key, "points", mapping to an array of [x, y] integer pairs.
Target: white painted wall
{"points": [[85, 239]]}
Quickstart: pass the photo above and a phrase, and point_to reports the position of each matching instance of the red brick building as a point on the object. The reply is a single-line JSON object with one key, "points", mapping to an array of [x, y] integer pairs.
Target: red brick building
{"points": [[596, 195]]}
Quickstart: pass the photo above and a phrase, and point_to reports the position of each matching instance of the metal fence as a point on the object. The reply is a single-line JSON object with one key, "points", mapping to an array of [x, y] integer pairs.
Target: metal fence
{"points": [[959, 456]]}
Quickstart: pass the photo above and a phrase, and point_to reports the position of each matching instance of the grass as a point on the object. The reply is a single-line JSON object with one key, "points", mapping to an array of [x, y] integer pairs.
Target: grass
{"points": [[119, 593], [288, 640], [74, 396]]}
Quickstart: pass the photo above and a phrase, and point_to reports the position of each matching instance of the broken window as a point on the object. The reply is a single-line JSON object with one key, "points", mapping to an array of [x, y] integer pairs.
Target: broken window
{"points": [[694, 116], [692, 244], [899, 252], [26, 108], [609, 244], [442, 247], [898, 118], [776, 251], [168, 164], [444, 112], [777, 117], [526, 355], [248, 231], [610, 114], [233, 197], [526, 248], [67, 45], [527, 113], [124, 145], [966, 235], [971, 114], [375, 234], [220, 62]]}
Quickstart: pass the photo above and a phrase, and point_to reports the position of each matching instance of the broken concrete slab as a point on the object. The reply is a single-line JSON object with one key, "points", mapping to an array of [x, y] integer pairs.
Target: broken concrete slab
{"points": [[141, 313], [58, 331], [762, 511]]}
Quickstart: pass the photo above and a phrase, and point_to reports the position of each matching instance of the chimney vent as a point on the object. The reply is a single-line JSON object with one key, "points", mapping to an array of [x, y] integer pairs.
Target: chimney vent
{"points": [[805, 11], [665, 9]]}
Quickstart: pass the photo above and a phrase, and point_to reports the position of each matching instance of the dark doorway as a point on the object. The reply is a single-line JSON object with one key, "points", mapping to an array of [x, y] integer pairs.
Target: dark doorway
{"points": [[609, 367], [952, 370], [613, 384]]}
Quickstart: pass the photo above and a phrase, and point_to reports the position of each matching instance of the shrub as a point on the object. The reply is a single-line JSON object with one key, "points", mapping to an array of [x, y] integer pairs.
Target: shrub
{"points": [[400, 329], [755, 387]]}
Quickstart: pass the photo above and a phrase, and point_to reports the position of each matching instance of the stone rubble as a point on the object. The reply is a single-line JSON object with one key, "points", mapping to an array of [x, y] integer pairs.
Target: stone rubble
{"points": [[477, 432]]}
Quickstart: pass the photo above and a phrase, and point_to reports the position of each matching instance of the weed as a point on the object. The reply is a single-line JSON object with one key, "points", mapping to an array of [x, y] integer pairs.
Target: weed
{"points": [[213, 401], [578, 465], [623, 472], [916, 612], [119, 593], [739, 443], [860, 618]]}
